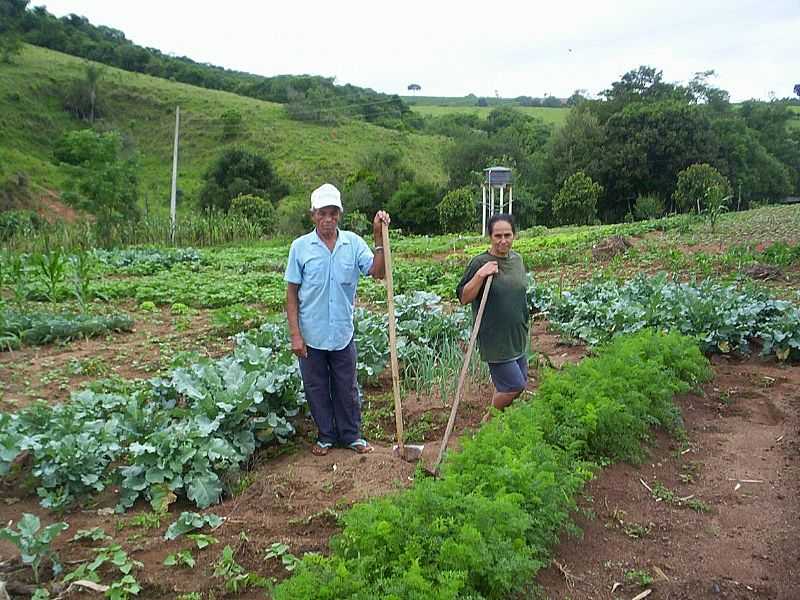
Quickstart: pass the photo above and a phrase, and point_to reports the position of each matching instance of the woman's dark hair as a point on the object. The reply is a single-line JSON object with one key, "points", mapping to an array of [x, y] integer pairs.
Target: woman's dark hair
{"points": [[501, 217]]}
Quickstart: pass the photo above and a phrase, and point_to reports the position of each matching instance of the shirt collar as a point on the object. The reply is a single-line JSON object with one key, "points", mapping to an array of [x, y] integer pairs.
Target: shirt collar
{"points": [[340, 239]]}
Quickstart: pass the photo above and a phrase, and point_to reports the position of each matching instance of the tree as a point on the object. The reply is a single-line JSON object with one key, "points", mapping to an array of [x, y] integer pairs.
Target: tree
{"points": [[576, 201], [104, 182], [457, 210], [577, 97], [81, 97], [413, 207], [575, 146], [703, 92], [646, 144], [255, 209], [464, 162], [237, 172], [797, 89], [414, 87], [12, 13], [379, 176], [696, 183]]}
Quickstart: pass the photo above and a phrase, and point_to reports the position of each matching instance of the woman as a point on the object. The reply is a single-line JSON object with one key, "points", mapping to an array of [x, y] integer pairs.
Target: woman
{"points": [[503, 336]]}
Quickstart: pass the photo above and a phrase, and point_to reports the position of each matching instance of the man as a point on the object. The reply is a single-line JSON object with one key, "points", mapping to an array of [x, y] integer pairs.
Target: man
{"points": [[322, 276]]}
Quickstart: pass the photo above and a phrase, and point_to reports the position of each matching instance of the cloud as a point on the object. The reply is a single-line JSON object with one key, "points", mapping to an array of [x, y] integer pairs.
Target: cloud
{"points": [[454, 48]]}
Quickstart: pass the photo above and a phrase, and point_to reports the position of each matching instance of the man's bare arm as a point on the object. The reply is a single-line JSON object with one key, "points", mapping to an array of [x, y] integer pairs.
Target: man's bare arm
{"points": [[293, 316]]}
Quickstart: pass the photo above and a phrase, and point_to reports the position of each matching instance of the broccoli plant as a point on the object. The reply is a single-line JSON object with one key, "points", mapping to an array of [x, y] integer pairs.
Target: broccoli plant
{"points": [[34, 543]]}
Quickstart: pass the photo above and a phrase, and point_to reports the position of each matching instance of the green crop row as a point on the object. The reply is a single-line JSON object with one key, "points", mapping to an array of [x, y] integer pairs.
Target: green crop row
{"points": [[723, 318], [485, 528], [17, 328]]}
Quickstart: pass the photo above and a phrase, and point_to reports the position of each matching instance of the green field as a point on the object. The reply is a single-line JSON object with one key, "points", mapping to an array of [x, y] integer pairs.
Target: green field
{"points": [[142, 108], [555, 116], [796, 122]]}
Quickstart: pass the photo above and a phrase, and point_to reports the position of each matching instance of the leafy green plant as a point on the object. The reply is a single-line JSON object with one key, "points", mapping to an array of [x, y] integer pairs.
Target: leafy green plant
{"points": [[236, 577], [43, 328], [723, 318], [202, 540], [83, 268], [663, 494], [51, 267], [95, 534], [146, 520], [235, 318], [281, 551], [189, 521], [256, 209], [715, 205], [640, 577], [34, 543], [123, 588], [181, 558], [115, 556]]}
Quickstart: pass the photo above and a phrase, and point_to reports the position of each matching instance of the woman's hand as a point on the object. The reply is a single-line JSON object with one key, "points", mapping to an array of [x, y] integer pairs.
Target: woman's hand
{"points": [[490, 268]]}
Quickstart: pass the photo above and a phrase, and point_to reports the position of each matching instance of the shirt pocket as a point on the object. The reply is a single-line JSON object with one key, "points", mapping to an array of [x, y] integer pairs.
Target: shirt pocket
{"points": [[314, 271], [345, 269]]}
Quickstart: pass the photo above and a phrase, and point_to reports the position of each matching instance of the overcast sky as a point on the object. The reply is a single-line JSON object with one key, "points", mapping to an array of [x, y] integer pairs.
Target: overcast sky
{"points": [[453, 48]]}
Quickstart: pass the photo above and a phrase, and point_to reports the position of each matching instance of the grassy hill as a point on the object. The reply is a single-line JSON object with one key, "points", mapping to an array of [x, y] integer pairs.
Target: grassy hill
{"points": [[142, 108]]}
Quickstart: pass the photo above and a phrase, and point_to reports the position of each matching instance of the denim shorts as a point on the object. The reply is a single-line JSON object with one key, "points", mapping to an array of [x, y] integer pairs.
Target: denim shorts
{"points": [[510, 376]]}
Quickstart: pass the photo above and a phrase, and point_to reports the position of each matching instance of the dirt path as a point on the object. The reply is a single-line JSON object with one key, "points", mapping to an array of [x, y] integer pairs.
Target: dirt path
{"points": [[742, 459]]}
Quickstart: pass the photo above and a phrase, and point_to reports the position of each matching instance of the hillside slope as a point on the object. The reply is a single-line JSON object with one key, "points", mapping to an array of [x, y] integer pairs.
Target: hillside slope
{"points": [[142, 108]]}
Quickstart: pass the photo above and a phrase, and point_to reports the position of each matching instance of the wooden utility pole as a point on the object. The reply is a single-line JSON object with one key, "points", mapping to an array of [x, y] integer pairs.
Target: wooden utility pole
{"points": [[173, 196]]}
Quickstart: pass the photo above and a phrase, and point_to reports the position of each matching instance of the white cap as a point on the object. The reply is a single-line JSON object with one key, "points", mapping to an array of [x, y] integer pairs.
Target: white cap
{"points": [[326, 195]]}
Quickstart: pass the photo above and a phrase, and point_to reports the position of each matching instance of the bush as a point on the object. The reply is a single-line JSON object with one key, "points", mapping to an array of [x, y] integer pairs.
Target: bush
{"points": [[256, 210], [457, 211], [293, 216], [232, 124], [238, 172], [695, 183], [356, 221], [22, 222], [105, 183], [576, 202], [413, 207], [649, 206]]}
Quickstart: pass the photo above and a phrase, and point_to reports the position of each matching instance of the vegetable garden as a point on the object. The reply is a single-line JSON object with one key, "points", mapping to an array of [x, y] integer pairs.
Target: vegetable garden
{"points": [[154, 438]]}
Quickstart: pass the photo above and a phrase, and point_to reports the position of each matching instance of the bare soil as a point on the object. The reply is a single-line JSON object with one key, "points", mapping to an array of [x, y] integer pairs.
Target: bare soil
{"points": [[742, 459], [52, 371]]}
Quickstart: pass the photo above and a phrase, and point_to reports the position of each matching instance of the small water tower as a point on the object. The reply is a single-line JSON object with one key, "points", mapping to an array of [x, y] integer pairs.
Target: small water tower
{"points": [[496, 183]]}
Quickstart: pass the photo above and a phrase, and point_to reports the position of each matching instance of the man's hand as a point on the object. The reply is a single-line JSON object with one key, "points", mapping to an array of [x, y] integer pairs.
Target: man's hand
{"points": [[299, 346], [490, 268], [377, 230]]}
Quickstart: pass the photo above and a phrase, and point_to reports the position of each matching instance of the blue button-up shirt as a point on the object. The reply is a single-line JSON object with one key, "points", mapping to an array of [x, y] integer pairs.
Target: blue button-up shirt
{"points": [[328, 282]]}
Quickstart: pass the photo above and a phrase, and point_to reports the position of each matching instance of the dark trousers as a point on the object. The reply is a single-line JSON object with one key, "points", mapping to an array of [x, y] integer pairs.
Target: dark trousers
{"points": [[329, 381]]}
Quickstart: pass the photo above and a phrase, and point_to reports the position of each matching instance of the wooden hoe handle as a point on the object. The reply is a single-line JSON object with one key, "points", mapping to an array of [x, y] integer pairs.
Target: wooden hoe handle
{"points": [[463, 376]]}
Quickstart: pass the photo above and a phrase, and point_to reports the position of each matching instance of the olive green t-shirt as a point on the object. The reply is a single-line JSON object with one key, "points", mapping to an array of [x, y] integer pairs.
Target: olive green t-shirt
{"points": [[503, 335]]}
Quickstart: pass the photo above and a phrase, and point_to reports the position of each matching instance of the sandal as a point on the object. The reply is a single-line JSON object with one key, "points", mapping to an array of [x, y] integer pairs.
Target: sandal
{"points": [[360, 446], [321, 448]]}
